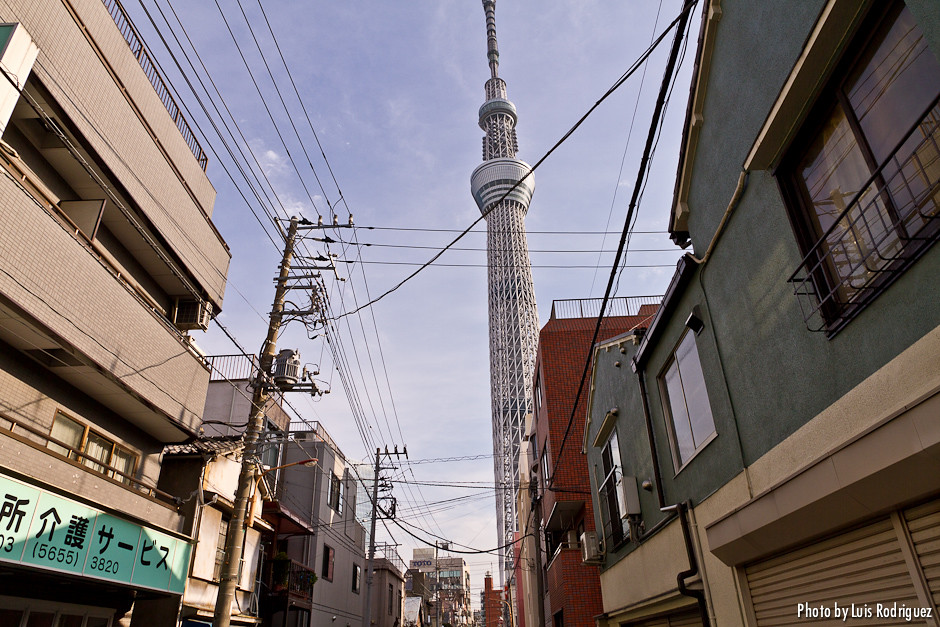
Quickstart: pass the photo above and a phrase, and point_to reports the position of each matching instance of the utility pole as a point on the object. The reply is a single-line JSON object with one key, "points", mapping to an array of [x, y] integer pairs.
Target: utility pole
{"points": [[370, 565], [437, 579], [437, 583], [539, 584], [235, 540]]}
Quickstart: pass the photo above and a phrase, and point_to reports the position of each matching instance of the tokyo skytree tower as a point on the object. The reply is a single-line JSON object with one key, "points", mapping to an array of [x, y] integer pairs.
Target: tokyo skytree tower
{"points": [[514, 321]]}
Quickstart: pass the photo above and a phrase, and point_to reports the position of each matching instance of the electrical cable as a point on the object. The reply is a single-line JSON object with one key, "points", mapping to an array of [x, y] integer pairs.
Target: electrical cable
{"points": [[644, 162], [633, 68]]}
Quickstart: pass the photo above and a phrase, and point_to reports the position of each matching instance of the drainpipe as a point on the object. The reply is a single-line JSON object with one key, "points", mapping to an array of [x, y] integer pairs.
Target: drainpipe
{"points": [[682, 509], [657, 475]]}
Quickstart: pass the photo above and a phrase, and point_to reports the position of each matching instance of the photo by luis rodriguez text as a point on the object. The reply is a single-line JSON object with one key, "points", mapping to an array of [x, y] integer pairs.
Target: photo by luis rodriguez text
{"points": [[851, 611]]}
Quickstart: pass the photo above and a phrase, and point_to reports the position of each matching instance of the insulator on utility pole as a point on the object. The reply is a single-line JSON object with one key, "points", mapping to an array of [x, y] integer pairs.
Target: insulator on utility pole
{"points": [[235, 540]]}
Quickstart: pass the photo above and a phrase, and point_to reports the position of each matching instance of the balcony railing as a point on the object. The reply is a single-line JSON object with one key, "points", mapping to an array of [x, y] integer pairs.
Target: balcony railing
{"points": [[291, 578], [133, 39], [591, 307], [232, 367], [884, 228], [27, 434]]}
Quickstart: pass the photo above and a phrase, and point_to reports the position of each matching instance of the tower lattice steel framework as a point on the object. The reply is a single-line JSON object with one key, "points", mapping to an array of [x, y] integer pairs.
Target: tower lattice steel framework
{"points": [[513, 315]]}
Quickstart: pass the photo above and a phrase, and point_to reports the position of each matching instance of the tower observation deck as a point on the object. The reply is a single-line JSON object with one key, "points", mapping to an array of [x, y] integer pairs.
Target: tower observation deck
{"points": [[513, 317]]}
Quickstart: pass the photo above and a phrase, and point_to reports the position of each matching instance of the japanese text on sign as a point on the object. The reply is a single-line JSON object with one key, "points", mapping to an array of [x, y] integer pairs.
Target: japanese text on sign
{"points": [[45, 530]]}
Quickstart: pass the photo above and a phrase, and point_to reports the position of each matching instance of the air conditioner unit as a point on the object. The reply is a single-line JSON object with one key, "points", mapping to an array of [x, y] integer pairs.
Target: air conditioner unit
{"points": [[590, 548], [572, 539], [191, 314]]}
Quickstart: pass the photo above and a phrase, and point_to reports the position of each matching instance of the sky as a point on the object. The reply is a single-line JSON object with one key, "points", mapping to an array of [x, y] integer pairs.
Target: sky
{"points": [[390, 94]]}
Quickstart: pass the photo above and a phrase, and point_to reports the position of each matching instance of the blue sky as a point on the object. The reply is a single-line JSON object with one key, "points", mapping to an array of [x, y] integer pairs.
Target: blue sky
{"points": [[392, 90]]}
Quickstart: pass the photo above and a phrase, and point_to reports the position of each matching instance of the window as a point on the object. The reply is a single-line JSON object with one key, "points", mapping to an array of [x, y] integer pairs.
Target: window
{"points": [[356, 578], [537, 396], [391, 594], [611, 496], [686, 400], [220, 549], [77, 441], [543, 476], [863, 178], [336, 493], [327, 570]]}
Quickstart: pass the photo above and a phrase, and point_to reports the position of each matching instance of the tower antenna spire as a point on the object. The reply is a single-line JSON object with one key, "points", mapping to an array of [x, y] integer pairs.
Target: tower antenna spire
{"points": [[492, 48]]}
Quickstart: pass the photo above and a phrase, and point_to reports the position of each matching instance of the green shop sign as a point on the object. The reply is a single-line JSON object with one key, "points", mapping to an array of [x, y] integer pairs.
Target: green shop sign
{"points": [[41, 529]]}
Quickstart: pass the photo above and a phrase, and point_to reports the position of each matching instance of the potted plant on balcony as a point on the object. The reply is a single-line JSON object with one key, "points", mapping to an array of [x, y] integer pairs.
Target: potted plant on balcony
{"points": [[280, 572]]}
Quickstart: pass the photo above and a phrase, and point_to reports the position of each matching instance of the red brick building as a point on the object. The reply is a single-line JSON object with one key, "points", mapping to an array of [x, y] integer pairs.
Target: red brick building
{"points": [[572, 588], [492, 602]]}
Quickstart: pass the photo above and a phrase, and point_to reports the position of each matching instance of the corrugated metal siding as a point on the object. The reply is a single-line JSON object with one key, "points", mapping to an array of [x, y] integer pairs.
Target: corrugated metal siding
{"points": [[924, 525], [863, 566], [691, 618]]}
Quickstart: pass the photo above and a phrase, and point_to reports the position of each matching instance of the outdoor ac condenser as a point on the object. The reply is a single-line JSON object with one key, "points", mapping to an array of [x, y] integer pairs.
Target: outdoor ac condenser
{"points": [[590, 548]]}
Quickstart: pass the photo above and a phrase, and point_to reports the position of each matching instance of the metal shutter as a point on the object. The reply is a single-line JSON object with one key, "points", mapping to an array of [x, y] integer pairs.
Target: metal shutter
{"points": [[691, 618], [862, 566], [924, 525]]}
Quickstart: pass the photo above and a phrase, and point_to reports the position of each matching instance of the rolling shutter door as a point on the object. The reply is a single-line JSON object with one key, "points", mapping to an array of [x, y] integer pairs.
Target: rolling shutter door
{"points": [[862, 566], [691, 618], [924, 525]]}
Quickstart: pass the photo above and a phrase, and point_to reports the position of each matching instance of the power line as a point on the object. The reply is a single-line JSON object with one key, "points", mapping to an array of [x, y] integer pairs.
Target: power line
{"points": [[651, 139], [439, 460], [483, 265], [617, 84], [478, 249], [528, 232]]}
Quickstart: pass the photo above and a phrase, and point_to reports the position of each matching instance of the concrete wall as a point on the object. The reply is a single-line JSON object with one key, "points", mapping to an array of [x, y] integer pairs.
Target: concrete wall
{"points": [[786, 401], [306, 492], [69, 293], [115, 108]]}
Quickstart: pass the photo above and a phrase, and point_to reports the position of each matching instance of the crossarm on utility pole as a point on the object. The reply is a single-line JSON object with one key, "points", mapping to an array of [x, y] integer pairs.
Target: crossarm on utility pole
{"points": [[235, 540]]}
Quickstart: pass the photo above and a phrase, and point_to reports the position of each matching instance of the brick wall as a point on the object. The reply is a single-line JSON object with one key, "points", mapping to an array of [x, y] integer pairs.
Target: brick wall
{"points": [[564, 346], [574, 588]]}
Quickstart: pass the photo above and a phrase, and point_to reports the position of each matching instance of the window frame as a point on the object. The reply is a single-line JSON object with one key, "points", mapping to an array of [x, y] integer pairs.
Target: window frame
{"points": [[544, 466], [81, 456], [335, 501], [329, 557], [220, 548], [825, 295], [609, 487], [356, 578], [667, 403], [538, 392]]}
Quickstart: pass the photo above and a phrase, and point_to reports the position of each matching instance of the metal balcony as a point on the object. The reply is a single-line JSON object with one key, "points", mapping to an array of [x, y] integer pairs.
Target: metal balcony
{"points": [[884, 228]]}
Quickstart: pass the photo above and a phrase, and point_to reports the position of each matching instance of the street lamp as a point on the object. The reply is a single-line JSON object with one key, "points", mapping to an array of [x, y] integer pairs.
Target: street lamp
{"points": [[509, 610], [307, 463]]}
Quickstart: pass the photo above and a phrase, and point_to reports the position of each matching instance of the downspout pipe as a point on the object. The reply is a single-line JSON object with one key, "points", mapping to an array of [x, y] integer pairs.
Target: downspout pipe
{"points": [[657, 474], [699, 595]]}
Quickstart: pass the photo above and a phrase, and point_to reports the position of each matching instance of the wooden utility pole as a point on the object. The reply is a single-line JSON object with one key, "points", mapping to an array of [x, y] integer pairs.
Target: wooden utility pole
{"points": [[235, 540], [370, 563]]}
